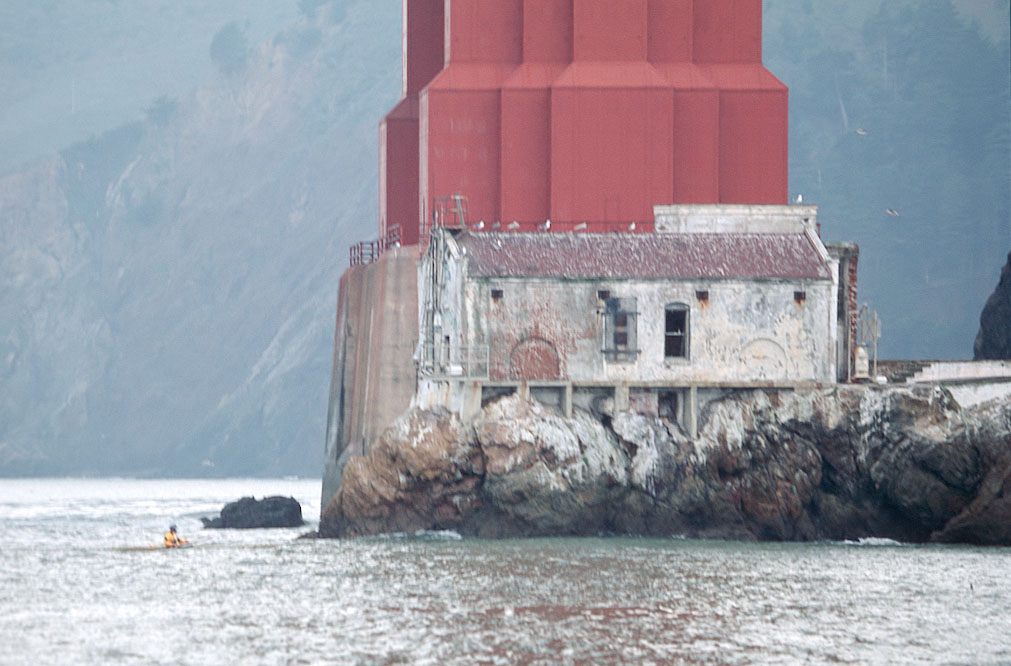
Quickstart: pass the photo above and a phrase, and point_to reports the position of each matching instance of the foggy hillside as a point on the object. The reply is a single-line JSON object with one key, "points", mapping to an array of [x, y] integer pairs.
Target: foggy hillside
{"points": [[168, 287], [69, 70], [904, 106]]}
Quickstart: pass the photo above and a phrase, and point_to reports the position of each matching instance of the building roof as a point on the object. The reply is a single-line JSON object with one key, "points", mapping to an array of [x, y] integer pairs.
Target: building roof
{"points": [[642, 255]]}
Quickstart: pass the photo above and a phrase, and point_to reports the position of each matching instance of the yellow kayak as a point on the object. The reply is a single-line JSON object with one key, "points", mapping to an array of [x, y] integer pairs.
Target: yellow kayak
{"points": [[154, 546]]}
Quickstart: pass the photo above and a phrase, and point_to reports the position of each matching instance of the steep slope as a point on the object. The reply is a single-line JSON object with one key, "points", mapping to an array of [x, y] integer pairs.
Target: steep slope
{"points": [[994, 338], [899, 129], [72, 69], [168, 289]]}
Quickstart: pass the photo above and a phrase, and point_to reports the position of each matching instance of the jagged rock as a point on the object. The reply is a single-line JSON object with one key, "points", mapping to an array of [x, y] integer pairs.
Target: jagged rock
{"points": [[250, 513], [422, 472], [545, 474], [841, 463], [993, 342]]}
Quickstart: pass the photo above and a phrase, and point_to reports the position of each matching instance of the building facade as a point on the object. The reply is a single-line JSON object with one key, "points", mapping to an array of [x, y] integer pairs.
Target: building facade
{"points": [[717, 298]]}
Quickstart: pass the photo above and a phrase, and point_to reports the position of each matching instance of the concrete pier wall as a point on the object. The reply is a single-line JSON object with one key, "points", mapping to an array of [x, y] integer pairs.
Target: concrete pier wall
{"points": [[373, 374]]}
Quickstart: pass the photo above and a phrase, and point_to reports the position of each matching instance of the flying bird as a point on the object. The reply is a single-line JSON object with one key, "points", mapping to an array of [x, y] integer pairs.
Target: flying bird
{"points": [[861, 131], [892, 212]]}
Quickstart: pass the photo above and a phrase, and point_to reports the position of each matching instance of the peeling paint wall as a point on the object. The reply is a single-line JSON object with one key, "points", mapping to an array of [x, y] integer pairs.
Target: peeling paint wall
{"points": [[743, 332], [757, 293]]}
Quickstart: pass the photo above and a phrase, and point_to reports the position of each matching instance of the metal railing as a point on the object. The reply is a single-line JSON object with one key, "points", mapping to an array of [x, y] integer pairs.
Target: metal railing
{"points": [[367, 252], [447, 212], [446, 361]]}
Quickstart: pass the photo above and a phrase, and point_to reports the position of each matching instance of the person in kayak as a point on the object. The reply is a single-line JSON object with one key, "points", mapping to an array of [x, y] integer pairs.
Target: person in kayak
{"points": [[172, 539]]}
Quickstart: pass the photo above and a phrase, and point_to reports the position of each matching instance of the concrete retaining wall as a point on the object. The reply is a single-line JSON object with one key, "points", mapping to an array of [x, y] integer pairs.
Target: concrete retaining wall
{"points": [[373, 374], [947, 371]]}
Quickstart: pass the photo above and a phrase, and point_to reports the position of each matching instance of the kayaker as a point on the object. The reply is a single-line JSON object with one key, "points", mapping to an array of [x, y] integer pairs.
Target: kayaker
{"points": [[172, 539]]}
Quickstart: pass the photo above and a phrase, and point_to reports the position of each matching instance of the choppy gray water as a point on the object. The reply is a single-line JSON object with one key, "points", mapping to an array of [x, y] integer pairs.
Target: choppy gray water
{"points": [[69, 595]]}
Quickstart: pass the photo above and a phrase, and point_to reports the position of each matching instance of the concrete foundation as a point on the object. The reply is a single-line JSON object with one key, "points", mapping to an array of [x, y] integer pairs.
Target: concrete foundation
{"points": [[373, 375]]}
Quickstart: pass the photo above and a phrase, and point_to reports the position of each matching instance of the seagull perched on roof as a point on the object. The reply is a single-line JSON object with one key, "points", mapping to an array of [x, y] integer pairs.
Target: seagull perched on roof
{"points": [[631, 227], [513, 225], [496, 225], [546, 226], [479, 226], [579, 227], [799, 199], [892, 212]]}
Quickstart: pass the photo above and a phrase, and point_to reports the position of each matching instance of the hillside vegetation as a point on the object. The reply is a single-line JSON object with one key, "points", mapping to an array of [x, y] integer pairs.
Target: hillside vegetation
{"points": [[72, 69]]}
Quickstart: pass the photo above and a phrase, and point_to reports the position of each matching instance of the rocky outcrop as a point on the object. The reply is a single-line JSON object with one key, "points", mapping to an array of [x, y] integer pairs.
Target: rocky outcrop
{"points": [[250, 513], [841, 463], [993, 342]]}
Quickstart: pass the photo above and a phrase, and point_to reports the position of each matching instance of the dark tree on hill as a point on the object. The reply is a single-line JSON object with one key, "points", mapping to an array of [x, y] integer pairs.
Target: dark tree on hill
{"points": [[309, 7], [229, 48], [161, 110]]}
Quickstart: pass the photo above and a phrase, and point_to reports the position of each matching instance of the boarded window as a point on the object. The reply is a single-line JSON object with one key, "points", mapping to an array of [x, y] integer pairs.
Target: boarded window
{"points": [[675, 331], [620, 343]]}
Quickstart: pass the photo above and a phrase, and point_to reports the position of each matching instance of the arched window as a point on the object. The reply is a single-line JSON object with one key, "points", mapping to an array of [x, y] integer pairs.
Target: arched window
{"points": [[675, 339]]}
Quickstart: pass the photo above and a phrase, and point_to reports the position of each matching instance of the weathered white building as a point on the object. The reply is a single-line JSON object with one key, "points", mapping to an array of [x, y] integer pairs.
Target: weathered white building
{"points": [[716, 298]]}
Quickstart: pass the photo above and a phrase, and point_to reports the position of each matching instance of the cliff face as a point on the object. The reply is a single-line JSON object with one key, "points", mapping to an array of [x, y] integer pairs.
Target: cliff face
{"points": [[842, 463], [993, 342]]}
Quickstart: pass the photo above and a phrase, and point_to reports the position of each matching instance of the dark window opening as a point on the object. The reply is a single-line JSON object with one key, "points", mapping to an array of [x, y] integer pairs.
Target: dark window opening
{"points": [[676, 331], [620, 329], [490, 394], [667, 405], [702, 295], [496, 294], [603, 295], [800, 297]]}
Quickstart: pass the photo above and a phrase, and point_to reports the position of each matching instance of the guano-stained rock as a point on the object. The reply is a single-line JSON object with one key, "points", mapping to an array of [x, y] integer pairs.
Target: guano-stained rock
{"points": [[840, 463]]}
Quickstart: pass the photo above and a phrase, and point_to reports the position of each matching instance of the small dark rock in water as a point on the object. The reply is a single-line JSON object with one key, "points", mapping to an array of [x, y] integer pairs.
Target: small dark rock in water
{"points": [[249, 513]]}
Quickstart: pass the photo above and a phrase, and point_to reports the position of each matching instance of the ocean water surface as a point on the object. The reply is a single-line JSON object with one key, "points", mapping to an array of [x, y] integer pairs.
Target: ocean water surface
{"points": [[74, 590]]}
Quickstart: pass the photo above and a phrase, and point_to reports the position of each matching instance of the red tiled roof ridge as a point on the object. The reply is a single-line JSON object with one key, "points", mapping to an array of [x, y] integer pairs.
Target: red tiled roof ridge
{"points": [[643, 256]]}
